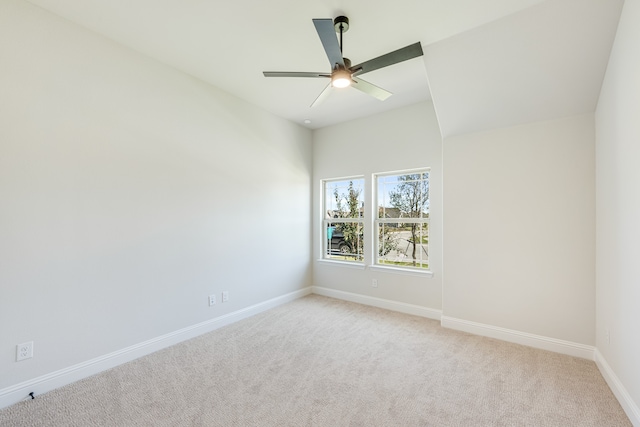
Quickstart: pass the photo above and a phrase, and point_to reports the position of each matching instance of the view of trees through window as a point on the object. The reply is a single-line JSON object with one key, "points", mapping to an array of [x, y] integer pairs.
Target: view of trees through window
{"points": [[344, 219], [401, 223]]}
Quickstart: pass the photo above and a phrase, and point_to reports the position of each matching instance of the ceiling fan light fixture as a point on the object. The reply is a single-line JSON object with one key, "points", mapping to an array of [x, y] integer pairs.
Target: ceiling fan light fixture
{"points": [[341, 78]]}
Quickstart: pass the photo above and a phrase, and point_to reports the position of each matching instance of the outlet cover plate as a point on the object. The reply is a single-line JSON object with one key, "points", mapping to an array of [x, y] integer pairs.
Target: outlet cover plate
{"points": [[24, 351]]}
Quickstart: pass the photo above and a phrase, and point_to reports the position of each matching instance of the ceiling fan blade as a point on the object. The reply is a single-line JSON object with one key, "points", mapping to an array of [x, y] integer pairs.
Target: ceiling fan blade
{"points": [[400, 55], [370, 89], [327, 34], [323, 95], [293, 74]]}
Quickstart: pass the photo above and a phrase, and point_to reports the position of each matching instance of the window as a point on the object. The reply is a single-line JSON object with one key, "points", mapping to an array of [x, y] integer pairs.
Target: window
{"points": [[402, 221], [343, 224]]}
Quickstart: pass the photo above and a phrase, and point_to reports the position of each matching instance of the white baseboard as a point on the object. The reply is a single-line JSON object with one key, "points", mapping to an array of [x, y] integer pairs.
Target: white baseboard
{"points": [[621, 393], [531, 340], [53, 380], [402, 307]]}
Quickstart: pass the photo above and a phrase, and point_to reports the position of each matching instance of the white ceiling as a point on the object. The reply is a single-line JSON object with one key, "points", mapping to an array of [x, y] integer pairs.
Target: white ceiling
{"points": [[542, 63], [487, 62]]}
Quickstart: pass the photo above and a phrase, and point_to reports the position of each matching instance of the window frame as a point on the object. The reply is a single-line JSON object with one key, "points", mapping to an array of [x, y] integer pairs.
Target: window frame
{"points": [[326, 255], [377, 221]]}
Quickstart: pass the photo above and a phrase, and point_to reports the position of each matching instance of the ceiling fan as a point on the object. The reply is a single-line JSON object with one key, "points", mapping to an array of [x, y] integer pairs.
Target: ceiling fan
{"points": [[343, 74]]}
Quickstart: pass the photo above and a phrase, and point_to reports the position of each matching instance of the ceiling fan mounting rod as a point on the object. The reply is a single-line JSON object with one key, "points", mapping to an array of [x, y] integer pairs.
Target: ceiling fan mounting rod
{"points": [[341, 25]]}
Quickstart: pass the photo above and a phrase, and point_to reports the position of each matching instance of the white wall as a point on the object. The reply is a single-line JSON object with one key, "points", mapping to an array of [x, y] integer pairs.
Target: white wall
{"points": [[519, 228], [618, 211], [128, 193], [405, 138]]}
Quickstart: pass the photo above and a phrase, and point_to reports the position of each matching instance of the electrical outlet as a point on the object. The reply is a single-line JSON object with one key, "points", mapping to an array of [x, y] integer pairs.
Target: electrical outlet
{"points": [[212, 300], [374, 283], [225, 296], [24, 351]]}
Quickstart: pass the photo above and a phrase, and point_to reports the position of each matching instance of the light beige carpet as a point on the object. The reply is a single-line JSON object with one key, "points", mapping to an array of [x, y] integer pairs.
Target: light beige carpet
{"points": [[323, 362]]}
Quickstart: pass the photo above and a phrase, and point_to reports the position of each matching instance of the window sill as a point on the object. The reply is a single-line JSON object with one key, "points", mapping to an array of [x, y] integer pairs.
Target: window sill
{"points": [[347, 264], [382, 268], [405, 271]]}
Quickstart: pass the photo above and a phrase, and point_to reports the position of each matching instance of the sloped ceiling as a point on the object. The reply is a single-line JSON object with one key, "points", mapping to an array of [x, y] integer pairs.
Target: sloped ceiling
{"points": [[488, 63], [545, 62]]}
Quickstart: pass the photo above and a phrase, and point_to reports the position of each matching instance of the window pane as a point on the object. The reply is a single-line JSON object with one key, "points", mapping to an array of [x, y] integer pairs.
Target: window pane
{"points": [[344, 241], [403, 196], [344, 199], [404, 245]]}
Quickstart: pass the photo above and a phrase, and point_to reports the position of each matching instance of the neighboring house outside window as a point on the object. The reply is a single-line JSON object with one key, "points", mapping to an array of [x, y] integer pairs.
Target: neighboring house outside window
{"points": [[401, 225], [343, 225]]}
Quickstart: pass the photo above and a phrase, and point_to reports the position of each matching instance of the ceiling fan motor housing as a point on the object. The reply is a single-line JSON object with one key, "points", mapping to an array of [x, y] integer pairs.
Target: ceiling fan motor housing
{"points": [[341, 76]]}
